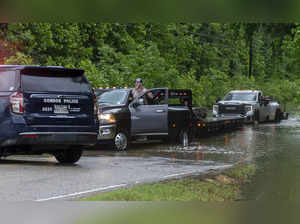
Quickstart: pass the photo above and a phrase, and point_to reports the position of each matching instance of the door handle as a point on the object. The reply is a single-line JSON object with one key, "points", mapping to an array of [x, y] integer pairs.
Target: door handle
{"points": [[160, 111]]}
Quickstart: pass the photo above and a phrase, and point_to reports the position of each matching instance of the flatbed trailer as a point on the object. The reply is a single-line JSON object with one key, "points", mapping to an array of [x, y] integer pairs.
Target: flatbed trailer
{"points": [[215, 125]]}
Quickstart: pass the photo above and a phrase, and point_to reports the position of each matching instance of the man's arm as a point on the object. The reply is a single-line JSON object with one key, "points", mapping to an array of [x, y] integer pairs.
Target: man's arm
{"points": [[150, 95]]}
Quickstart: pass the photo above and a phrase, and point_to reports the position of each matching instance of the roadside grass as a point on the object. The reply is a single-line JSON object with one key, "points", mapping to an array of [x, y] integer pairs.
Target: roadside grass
{"points": [[212, 187]]}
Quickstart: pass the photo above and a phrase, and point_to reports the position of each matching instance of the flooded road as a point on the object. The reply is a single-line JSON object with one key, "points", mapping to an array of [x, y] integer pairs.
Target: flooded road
{"points": [[273, 147]]}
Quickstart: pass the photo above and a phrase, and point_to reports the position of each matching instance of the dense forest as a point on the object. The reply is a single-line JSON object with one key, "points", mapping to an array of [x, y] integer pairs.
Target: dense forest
{"points": [[209, 58]]}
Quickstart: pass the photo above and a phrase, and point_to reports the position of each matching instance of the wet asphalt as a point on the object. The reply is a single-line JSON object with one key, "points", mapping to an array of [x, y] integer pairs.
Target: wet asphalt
{"points": [[38, 178]]}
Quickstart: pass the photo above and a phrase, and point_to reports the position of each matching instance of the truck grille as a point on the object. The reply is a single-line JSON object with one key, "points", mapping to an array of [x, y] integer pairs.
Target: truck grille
{"points": [[231, 109]]}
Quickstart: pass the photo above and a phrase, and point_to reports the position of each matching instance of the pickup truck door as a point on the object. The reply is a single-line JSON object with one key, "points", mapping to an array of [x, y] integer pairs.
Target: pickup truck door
{"points": [[150, 116]]}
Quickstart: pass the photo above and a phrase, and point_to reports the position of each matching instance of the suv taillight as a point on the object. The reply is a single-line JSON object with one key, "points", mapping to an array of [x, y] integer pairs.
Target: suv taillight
{"points": [[17, 103], [96, 106]]}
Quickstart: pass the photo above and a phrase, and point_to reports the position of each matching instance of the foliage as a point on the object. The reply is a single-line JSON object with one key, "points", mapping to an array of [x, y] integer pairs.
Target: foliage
{"points": [[210, 59]]}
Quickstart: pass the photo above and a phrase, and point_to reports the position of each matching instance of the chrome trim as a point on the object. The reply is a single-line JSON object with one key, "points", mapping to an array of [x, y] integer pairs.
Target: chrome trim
{"points": [[59, 126], [108, 126], [152, 134], [111, 135], [58, 133], [62, 116], [58, 96]]}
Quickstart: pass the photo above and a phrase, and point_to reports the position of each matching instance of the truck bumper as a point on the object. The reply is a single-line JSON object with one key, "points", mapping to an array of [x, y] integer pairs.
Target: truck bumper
{"points": [[107, 132]]}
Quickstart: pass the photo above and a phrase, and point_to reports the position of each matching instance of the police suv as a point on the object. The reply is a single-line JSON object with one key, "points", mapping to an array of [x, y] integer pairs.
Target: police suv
{"points": [[46, 110]]}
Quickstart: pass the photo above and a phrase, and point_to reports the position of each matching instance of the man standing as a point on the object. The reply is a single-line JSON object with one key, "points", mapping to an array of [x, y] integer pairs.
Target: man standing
{"points": [[140, 90]]}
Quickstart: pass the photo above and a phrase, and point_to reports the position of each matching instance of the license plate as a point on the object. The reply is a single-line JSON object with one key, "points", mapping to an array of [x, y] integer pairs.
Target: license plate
{"points": [[61, 109], [230, 108]]}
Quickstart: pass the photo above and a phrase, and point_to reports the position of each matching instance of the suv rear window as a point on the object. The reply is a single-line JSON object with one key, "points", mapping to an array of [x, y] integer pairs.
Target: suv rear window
{"points": [[55, 83], [7, 81]]}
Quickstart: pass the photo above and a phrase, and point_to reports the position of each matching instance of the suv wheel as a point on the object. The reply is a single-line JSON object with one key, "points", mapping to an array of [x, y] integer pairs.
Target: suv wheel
{"points": [[121, 141], [68, 156]]}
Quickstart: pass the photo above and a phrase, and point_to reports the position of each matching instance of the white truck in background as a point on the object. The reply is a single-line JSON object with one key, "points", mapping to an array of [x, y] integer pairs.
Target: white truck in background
{"points": [[251, 104]]}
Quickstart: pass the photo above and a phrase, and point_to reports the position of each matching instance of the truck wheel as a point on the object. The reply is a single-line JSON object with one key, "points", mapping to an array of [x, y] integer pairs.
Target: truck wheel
{"points": [[277, 116], [257, 116], [68, 156], [184, 138], [120, 141]]}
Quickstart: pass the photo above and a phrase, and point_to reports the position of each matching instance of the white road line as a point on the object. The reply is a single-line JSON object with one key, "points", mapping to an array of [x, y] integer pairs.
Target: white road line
{"points": [[81, 193], [178, 174]]}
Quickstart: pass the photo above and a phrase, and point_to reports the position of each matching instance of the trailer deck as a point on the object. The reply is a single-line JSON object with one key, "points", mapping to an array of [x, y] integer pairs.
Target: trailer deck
{"points": [[214, 125]]}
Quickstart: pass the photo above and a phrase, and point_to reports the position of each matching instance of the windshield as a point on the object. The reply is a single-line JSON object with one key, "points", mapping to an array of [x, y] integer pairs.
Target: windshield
{"points": [[99, 92], [7, 81], [117, 97], [240, 97]]}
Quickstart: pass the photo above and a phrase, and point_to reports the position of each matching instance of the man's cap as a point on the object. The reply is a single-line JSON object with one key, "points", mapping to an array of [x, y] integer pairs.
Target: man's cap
{"points": [[139, 80]]}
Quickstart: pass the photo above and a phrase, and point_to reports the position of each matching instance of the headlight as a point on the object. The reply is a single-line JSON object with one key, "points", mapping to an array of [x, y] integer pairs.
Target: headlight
{"points": [[216, 109], [107, 118], [248, 108]]}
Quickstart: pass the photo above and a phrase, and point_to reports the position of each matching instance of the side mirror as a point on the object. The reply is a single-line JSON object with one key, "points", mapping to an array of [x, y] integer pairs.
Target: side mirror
{"points": [[139, 102], [135, 105]]}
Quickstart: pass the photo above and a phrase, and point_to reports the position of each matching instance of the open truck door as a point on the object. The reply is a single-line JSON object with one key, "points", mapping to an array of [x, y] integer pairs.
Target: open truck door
{"points": [[149, 113]]}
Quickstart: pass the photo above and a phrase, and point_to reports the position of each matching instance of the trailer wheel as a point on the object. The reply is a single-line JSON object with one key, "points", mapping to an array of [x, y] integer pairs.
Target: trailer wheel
{"points": [[68, 156], [120, 141], [184, 138]]}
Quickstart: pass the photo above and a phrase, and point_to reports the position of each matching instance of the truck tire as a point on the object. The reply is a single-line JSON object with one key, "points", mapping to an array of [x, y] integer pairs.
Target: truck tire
{"points": [[184, 138], [257, 116], [277, 116], [68, 156], [121, 141]]}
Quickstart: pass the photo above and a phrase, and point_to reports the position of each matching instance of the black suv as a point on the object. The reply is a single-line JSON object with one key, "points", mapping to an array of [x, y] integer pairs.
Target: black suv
{"points": [[46, 110]]}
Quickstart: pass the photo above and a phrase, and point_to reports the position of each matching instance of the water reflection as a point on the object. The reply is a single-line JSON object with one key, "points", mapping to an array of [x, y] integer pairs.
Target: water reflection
{"points": [[273, 147]]}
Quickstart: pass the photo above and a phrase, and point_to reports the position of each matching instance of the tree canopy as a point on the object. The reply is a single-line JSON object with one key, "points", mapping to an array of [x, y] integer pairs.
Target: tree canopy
{"points": [[209, 58]]}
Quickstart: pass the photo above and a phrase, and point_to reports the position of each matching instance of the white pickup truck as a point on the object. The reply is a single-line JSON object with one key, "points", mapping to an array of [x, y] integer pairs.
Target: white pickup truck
{"points": [[251, 104]]}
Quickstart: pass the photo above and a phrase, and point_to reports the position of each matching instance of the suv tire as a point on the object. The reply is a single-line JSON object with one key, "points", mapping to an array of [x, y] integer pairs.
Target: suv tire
{"points": [[68, 156]]}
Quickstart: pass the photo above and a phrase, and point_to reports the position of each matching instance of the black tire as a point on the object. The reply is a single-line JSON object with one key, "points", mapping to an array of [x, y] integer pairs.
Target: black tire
{"points": [[277, 116], [257, 116], [68, 156], [121, 141], [184, 138]]}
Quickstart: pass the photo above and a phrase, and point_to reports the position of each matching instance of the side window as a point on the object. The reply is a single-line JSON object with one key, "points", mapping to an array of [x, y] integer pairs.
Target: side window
{"points": [[154, 97], [7, 81]]}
